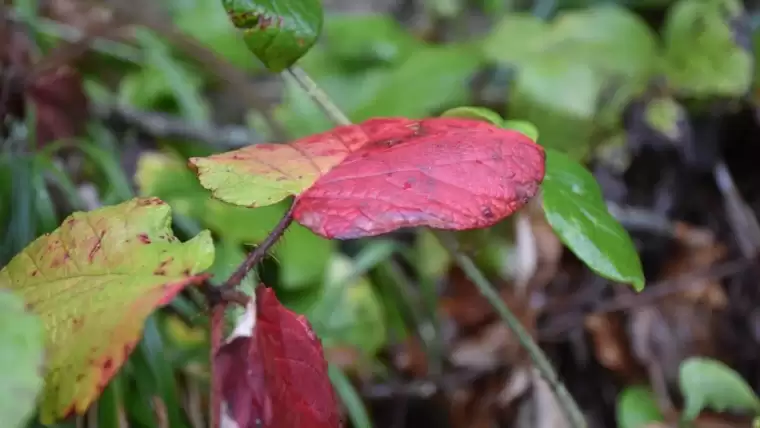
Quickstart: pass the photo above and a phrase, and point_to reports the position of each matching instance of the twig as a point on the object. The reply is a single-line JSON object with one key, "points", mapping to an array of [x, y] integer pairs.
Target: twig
{"points": [[217, 333], [317, 94], [565, 400], [542, 363], [255, 256]]}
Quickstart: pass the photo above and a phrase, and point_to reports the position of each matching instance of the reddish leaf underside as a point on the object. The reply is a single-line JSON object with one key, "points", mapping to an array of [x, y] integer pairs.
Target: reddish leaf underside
{"points": [[442, 173], [278, 378], [93, 281], [385, 174]]}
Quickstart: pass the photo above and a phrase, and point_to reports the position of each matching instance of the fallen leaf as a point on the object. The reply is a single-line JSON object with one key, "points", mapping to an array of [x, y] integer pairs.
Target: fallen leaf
{"points": [[22, 359], [93, 281], [277, 378], [385, 174]]}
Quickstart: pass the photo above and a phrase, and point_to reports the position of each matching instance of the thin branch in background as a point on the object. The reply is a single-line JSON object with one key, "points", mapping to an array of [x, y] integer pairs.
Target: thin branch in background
{"points": [[542, 363], [574, 414]]}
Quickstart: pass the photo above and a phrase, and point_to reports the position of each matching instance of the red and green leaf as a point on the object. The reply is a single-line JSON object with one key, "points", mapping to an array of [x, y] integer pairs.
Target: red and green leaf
{"points": [[276, 378], [385, 174], [94, 281]]}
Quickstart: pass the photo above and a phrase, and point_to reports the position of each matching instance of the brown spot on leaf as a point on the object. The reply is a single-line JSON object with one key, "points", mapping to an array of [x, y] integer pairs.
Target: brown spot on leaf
{"points": [[161, 269], [143, 237]]}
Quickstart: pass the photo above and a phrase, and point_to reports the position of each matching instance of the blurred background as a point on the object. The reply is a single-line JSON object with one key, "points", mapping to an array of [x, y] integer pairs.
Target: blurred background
{"points": [[658, 98]]}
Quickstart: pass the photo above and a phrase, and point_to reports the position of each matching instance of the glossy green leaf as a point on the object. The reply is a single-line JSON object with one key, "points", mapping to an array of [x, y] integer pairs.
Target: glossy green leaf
{"points": [[575, 209], [703, 49], [21, 360], [637, 408], [279, 32], [708, 383], [478, 113], [348, 312], [432, 79]]}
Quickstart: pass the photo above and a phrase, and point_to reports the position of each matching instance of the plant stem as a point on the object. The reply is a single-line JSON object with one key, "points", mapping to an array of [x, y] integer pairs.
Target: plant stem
{"points": [[217, 331], [255, 256], [542, 363], [319, 96], [540, 360]]}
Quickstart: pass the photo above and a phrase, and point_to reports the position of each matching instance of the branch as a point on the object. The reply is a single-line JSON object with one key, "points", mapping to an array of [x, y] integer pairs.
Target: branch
{"points": [[565, 400], [255, 256], [542, 363]]}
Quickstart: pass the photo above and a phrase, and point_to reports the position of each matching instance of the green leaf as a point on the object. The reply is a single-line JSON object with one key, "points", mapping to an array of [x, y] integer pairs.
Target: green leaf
{"points": [[666, 116], [21, 360], [368, 38], [279, 32], [478, 113], [516, 39], [637, 408], [94, 281], [575, 209], [708, 383], [561, 100], [564, 68], [302, 255], [702, 54], [432, 79], [349, 311], [526, 128]]}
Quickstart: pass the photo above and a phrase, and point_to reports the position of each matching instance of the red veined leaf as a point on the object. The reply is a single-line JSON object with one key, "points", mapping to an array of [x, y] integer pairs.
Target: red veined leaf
{"points": [[445, 173], [384, 174], [277, 378]]}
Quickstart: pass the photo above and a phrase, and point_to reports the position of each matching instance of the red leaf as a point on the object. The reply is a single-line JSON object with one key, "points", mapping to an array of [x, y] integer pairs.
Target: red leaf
{"points": [[445, 173], [278, 378]]}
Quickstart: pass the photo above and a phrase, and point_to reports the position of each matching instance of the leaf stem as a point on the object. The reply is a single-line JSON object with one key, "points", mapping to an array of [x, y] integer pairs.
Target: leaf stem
{"points": [[542, 363], [255, 256], [319, 96], [540, 360]]}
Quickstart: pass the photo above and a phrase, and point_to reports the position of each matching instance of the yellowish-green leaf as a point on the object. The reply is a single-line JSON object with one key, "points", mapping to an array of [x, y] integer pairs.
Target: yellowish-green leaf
{"points": [[21, 359], [302, 255], [94, 281]]}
